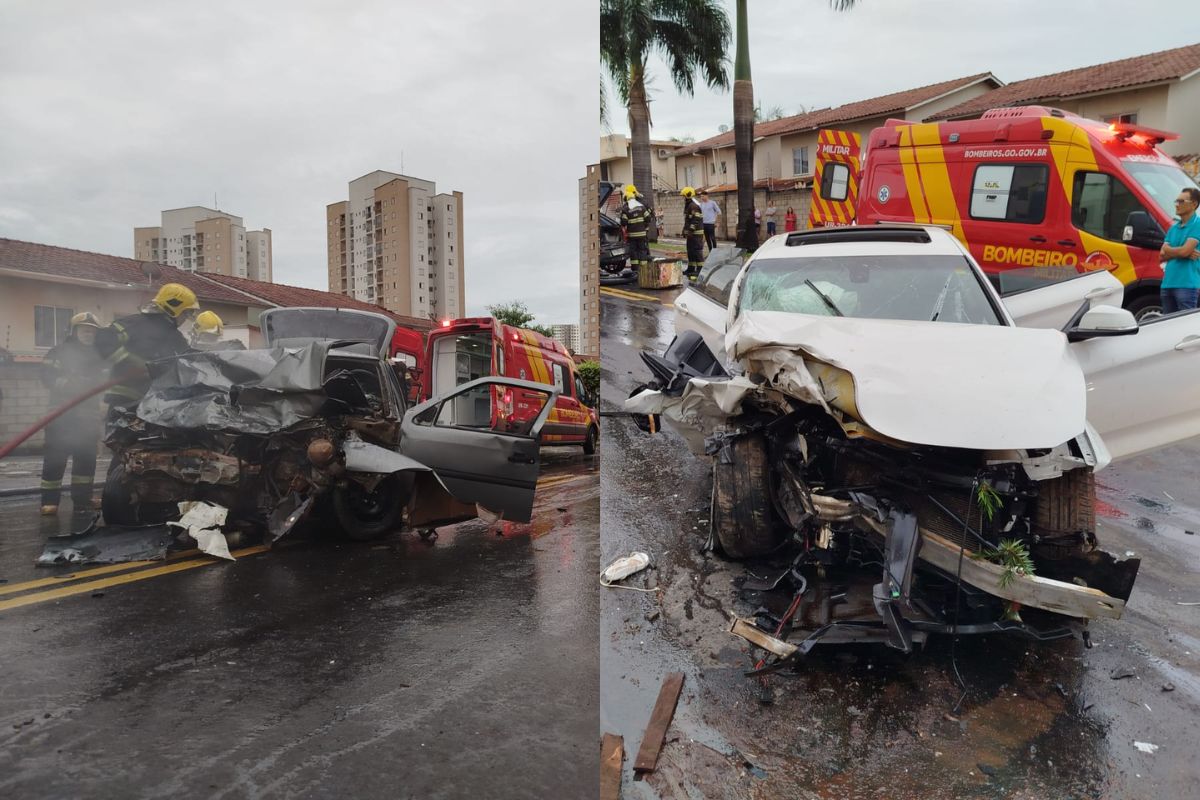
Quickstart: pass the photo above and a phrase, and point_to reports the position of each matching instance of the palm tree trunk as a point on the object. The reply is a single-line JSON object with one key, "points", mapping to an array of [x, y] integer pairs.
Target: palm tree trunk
{"points": [[743, 133], [639, 136]]}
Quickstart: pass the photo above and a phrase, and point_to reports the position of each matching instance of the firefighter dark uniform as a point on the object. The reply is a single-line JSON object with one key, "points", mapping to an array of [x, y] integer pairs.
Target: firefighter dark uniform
{"points": [[69, 370], [635, 219], [693, 231], [132, 341]]}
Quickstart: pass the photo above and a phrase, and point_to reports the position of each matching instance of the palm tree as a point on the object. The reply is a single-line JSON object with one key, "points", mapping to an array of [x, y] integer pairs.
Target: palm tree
{"points": [[743, 124], [691, 36]]}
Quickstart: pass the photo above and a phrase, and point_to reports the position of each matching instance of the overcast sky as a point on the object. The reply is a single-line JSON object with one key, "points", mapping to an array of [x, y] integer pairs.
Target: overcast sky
{"points": [[112, 112], [805, 55]]}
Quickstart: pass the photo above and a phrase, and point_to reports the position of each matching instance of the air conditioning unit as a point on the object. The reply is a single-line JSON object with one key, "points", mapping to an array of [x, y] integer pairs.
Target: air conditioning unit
{"points": [[664, 152]]}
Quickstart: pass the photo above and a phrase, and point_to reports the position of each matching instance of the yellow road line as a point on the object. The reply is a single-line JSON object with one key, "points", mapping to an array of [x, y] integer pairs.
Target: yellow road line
{"points": [[57, 580], [628, 295], [117, 580]]}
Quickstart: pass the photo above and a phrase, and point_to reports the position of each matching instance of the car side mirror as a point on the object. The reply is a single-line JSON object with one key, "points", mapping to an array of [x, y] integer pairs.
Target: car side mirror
{"points": [[1142, 231], [1103, 321]]}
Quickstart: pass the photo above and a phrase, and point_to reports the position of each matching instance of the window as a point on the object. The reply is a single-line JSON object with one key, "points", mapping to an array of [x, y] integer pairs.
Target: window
{"points": [[835, 181], [722, 167], [1010, 192], [580, 391], [1100, 204], [800, 160], [558, 378], [51, 325], [1129, 118], [720, 268], [689, 175]]}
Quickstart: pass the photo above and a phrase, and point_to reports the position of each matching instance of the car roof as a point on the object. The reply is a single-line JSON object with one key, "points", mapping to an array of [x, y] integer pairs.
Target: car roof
{"points": [[873, 240]]}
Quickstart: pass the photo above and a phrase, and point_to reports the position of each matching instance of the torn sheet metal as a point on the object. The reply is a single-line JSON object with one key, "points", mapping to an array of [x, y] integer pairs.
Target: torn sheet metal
{"points": [[203, 522], [245, 391], [290, 512], [366, 457], [928, 384], [111, 544], [704, 408]]}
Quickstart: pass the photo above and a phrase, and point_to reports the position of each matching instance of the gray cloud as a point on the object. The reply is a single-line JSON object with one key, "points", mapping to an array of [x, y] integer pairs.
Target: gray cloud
{"points": [[804, 54], [112, 112]]}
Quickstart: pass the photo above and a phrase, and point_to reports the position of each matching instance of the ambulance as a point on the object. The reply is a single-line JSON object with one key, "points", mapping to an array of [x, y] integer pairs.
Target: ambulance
{"points": [[459, 351], [1025, 187]]}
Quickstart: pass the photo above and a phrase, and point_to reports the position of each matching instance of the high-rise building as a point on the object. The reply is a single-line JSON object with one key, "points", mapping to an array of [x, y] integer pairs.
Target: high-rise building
{"points": [[589, 262], [203, 239], [568, 336], [398, 243]]}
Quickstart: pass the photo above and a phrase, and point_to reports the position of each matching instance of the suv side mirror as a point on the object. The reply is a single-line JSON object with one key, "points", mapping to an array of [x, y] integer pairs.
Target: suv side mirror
{"points": [[1103, 321], [1142, 231]]}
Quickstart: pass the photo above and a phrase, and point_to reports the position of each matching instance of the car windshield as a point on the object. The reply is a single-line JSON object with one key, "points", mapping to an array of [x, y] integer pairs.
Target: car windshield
{"points": [[941, 288], [1161, 182]]}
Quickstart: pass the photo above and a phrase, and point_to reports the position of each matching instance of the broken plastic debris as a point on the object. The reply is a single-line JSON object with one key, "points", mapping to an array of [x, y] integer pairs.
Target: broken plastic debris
{"points": [[1145, 747], [202, 522], [623, 567]]}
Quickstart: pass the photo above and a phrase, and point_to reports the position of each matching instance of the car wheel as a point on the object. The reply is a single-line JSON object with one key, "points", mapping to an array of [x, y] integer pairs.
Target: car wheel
{"points": [[364, 515], [743, 513], [116, 501], [1145, 307], [589, 444]]}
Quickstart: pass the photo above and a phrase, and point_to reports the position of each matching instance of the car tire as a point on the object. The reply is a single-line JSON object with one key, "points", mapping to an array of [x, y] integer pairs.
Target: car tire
{"points": [[363, 516], [1146, 306], [1066, 505], [116, 502], [743, 513], [590, 442]]}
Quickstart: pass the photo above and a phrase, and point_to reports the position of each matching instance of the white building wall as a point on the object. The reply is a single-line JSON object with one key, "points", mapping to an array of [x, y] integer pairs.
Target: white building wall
{"points": [[420, 226], [258, 255]]}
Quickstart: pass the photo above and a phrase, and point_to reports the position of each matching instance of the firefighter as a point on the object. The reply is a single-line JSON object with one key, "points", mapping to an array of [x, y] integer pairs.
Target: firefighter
{"points": [[693, 231], [69, 370], [150, 334], [635, 219], [207, 331]]}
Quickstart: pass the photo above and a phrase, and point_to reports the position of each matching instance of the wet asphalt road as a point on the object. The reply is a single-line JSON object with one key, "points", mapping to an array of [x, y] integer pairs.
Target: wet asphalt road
{"points": [[1038, 721], [394, 669]]}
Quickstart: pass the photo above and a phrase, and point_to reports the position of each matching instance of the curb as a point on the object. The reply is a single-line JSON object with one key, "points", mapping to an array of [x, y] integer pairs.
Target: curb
{"points": [[19, 491]]}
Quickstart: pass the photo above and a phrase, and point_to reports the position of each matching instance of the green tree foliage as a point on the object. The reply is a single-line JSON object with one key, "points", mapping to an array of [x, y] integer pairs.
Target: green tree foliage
{"points": [[589, 373], [518, 315], [691, 36]]}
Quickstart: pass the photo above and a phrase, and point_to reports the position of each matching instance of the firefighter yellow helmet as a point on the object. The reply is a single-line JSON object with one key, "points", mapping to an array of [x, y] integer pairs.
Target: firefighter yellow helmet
{"points": [[630, 191], [84, 318], [175, 298], [208, 322], [688, 192]]}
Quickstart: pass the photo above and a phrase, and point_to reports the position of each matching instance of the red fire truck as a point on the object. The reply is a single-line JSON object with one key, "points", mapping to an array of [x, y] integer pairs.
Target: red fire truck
{"points": [[462, 350], [1020, 187]]}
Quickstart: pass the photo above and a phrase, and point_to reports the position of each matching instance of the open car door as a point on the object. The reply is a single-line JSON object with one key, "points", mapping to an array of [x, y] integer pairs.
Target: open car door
{"points": [[835, 182], [704, 305], [1143, 390], [481, 439], [1047, 297]]}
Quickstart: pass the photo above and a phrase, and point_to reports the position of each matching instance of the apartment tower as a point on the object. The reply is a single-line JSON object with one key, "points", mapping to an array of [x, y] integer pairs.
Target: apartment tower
{"points": [[202, 239], [399, 244], [589, 261]]}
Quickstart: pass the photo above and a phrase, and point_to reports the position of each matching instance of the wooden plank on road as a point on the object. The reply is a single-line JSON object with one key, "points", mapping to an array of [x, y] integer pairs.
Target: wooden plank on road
{"points": [[612, 755], [660, 720]]}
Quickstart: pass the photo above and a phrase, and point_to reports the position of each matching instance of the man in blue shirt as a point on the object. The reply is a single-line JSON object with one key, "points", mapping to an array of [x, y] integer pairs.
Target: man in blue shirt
{"points": [[1179, 256]]}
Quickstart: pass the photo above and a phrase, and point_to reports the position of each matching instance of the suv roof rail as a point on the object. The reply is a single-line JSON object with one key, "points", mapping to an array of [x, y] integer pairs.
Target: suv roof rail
{"points": [[856, 233]]}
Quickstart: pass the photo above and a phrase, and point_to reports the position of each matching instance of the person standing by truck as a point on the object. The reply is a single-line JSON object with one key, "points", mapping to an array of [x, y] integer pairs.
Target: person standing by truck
{"points": [[1181, 270], [71, 369], [693, 231], [635, 219]]}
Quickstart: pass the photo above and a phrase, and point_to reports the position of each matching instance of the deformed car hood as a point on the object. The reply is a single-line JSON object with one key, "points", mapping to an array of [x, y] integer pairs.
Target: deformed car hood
{"points": [[985, 387]]}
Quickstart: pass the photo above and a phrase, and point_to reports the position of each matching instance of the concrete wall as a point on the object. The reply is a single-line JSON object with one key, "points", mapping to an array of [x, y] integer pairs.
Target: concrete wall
{"points": [[672, 207], [589, 261], [1183, 116], [926, 110]]}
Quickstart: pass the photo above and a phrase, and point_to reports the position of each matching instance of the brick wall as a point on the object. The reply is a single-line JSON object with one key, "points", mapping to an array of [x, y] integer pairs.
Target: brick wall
{"points": [[671, 206], [22, 403]]}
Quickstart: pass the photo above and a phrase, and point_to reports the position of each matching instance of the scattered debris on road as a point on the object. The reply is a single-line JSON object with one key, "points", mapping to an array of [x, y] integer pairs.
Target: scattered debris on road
{"points": [[622, 568], [660, 720], [1146, 747], [612, 756]]}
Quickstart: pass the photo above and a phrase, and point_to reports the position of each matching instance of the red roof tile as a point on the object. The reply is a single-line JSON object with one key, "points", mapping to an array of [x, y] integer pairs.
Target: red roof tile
{"points": [[278, 294], [64, 262], [862, 109], [1165, 65]]}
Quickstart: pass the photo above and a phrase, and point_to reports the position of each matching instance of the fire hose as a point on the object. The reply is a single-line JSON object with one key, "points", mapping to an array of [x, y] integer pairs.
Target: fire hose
{"points": [[58, 412]]}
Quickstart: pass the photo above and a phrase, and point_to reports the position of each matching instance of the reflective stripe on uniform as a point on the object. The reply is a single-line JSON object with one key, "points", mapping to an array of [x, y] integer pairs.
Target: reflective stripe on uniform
{"points": [[51, 485], [80, 480]]}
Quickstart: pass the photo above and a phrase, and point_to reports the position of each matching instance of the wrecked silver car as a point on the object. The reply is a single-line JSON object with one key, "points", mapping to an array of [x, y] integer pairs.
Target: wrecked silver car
{"points": [[925, 464], [318, 423]]}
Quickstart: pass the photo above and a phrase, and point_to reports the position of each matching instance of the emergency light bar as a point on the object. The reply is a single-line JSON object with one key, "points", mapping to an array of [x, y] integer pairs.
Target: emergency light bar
{"points": [[1124, 130]]}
